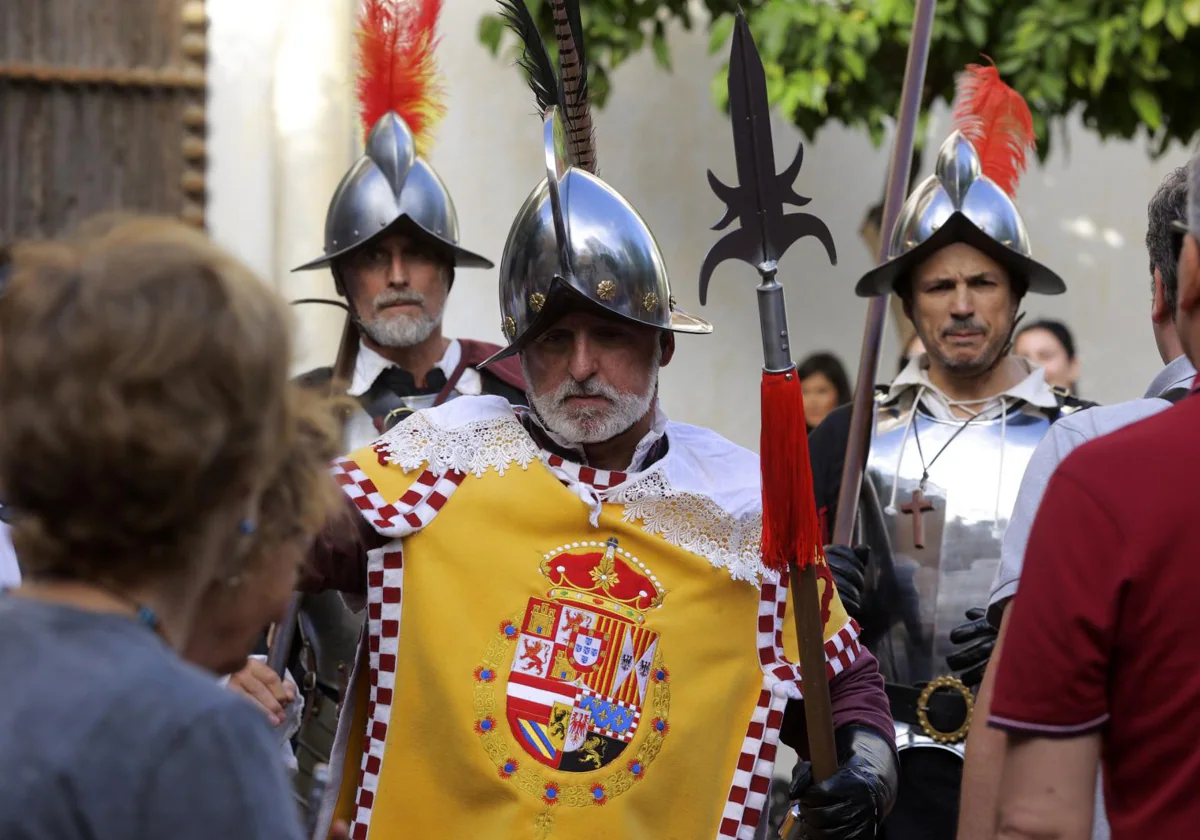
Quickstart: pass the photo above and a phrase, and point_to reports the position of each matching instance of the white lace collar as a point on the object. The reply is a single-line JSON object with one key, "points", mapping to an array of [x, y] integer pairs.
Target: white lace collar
{"points": [[703, 496]]}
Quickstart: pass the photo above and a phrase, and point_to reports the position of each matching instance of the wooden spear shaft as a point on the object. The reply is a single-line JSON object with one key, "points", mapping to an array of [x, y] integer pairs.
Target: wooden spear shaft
{"points": [[859, 441], [804, 583]]}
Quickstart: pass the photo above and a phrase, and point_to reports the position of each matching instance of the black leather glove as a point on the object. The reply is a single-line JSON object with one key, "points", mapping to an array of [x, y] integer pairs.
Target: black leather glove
{"points": [[853, 802], [977, 639], [849, 566]]}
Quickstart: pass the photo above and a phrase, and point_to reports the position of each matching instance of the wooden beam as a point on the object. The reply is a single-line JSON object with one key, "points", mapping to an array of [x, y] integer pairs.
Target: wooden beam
{"points": [[146, 78]]}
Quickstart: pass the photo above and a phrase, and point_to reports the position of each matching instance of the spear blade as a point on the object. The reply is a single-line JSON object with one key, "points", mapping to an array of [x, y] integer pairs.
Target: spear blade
{"points": [[754, 151]]}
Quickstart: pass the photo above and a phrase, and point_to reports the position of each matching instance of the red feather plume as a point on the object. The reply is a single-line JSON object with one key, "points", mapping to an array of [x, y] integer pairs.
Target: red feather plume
{"points": [[397, 68], [996, 120]]}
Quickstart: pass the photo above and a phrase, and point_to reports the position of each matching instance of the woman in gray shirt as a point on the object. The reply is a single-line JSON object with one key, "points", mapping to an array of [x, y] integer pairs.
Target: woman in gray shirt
{"points": [[144, 397]]}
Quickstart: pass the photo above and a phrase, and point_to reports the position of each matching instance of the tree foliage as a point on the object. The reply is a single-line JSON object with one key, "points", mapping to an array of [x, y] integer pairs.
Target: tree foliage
{"points": [[1129, 64]]}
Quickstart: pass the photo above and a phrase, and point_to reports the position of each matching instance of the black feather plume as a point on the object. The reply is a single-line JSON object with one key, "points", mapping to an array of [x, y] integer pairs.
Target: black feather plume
{"points": [[534, 60]]}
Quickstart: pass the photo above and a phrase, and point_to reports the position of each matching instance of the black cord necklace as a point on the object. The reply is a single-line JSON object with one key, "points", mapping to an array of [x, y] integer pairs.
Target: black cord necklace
{"points": [[926, 467]]}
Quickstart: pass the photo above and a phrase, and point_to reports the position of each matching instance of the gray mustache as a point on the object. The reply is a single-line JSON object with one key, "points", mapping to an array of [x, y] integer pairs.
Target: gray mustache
{"points": [[588, 388], [386, 299]]}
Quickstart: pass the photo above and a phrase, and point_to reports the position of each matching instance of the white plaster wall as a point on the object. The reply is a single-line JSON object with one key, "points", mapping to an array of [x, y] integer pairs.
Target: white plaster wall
{"points": [[281, 134], [242, 37], [656, 137]]}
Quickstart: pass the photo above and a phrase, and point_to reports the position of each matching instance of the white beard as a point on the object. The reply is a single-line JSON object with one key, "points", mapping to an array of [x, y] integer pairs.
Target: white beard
{"points": [[400, 330], [392, 329], [591, 424]]}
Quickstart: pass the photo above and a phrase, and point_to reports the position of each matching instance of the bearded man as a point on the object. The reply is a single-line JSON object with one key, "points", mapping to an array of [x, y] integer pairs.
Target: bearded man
{"points": [[392, 244], [591, 645], [391, 241], [951, 437]]}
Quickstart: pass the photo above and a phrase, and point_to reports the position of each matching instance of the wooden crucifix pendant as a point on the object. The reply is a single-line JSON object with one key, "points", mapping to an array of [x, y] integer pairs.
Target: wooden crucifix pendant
{"points": [[916, 509]]}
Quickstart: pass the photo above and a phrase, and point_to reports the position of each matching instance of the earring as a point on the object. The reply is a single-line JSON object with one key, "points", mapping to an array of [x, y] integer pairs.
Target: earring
{"points": [[247, 527]]}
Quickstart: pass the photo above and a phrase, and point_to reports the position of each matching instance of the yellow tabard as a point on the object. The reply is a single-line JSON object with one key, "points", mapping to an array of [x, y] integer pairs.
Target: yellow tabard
{"points": [[555, 679]]}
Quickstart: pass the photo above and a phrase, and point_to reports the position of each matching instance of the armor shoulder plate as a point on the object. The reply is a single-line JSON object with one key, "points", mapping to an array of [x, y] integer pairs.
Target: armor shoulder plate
{"points": [[1068, 403]]}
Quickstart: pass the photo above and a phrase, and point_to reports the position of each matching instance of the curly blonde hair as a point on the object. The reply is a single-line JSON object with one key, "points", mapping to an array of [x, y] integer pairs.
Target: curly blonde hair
{"points": [[143, 386]]}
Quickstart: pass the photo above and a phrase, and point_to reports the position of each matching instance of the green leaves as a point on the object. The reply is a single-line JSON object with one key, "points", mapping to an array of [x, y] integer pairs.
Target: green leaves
{"points": [[1127, 63], [662, 53], [1147, 107], [719, 33], [1153, 12], [491, 30]]}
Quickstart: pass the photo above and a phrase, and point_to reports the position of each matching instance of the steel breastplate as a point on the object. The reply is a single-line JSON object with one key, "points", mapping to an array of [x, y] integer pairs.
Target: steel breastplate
{"points": [[945, 538]]}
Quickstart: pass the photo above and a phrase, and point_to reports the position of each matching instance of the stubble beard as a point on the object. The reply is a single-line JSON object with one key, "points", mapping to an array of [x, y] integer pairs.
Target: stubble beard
{"points": [[591, 424], [993, 351]]}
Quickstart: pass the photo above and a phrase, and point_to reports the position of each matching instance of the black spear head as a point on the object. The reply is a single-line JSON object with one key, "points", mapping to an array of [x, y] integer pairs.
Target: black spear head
{"points": [[758, 200]]}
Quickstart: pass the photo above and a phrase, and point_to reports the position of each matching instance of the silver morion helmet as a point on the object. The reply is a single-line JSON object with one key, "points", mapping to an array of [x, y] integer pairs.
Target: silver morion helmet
{"points": [[958, 203], [399, 99], [389, 186], [576, 242], [969, 199]]}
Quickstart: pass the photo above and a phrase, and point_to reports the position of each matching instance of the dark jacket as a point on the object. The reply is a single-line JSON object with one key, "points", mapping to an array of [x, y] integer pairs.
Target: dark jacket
{"points": [[502, 378]]}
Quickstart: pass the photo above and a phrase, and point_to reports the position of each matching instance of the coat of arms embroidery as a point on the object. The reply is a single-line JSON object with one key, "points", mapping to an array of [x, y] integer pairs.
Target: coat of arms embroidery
{"points": [[581, 666], [587, 689]]}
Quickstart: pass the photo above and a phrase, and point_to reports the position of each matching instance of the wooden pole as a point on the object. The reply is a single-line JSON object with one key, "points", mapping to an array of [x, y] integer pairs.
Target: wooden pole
{"points": [[859, 441], [818, 708]]}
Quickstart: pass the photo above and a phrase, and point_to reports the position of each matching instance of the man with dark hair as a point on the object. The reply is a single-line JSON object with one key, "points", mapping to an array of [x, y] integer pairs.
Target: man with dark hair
{"points": [[952, 434], [981, 776], [1100, 659], [1049, 345]]}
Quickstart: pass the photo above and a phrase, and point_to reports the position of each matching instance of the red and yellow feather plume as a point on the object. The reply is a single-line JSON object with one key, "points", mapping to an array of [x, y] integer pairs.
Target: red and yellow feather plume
{"points": [[997, 121], [397, 67]]}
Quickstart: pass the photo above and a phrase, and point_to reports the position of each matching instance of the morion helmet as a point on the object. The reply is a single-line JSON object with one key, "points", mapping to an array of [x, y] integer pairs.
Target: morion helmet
{"points": [[391, 187], [968, 199], [576, 242]]}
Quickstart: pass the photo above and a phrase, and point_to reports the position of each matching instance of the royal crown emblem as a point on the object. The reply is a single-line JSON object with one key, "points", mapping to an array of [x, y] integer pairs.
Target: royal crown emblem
{"points": [[583, 667]]}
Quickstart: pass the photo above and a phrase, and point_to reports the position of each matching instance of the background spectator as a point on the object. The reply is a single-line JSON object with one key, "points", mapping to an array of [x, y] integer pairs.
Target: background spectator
{"points": [[1050, 346], [825, 386]]}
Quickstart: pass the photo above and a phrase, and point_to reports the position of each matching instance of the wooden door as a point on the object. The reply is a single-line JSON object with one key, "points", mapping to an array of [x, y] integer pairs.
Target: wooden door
{"points": [[101, 108]]}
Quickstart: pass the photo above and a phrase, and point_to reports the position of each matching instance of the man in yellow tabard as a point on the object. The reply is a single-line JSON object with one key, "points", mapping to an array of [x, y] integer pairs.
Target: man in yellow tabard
{"points": [[570, 633]]}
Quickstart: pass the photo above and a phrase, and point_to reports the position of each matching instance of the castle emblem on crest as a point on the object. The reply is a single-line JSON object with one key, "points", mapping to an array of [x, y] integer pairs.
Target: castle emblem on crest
{"points": [[582, 665]]}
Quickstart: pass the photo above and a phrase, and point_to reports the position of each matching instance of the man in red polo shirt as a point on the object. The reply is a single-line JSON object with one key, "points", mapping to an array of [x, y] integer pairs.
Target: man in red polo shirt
{"points": [[1101, 656]]}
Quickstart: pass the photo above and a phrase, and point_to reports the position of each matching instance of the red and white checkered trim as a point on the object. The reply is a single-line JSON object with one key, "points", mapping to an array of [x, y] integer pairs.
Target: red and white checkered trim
{"points": [[385, 588], [385, 585], [840, 651], [756, 762], [599, 479], [411, 512], [781, 680]]}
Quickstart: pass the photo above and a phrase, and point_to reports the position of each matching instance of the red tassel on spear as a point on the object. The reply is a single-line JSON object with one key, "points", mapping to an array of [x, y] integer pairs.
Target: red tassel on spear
{"points": [[791, 541], [792, 538]]}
